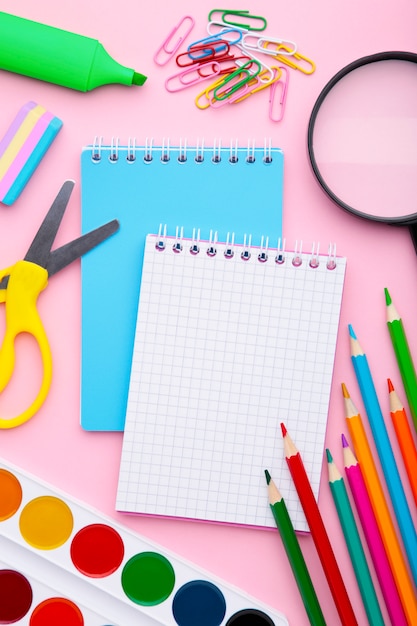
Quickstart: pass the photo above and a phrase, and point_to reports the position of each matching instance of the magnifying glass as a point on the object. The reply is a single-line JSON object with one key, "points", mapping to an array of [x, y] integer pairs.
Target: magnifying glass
{"points": [[362, 139]]}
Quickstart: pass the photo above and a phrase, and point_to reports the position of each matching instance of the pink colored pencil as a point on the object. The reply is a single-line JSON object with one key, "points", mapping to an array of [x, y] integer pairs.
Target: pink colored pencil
{"points": [[373, 536]]}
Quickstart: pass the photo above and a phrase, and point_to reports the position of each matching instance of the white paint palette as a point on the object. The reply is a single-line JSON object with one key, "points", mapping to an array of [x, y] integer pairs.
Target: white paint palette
{"points": [[64, 563]]}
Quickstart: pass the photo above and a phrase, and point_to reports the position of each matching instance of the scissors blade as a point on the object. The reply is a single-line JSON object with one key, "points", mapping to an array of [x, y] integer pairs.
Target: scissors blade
{"points": [[40, 248], [66, 254]]}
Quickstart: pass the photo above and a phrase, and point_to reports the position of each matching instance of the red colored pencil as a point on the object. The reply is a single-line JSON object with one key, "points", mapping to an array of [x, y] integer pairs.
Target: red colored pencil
{"points": [[318, 531], [404, 436]]}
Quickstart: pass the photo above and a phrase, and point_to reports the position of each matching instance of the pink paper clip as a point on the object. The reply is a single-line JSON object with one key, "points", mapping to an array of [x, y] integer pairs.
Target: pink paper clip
{"points": [[168, 48], [191, 76], [278, 102]]}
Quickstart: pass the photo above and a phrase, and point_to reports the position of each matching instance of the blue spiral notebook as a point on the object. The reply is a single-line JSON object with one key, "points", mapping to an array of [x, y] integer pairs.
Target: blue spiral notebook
{"points": [[232, 190]]}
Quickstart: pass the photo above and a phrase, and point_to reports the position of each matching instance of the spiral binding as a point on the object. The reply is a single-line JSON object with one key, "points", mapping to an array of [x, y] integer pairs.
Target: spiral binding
{"points": [[130, 152], [279, 255]]}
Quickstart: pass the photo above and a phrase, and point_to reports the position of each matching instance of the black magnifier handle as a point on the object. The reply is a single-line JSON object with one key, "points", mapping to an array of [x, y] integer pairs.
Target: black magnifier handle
{"points": [[413, 232]]}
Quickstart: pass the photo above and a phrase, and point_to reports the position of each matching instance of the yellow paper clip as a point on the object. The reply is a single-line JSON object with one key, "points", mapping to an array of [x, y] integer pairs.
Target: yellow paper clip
{"points": [[257, 83], [305, 65], [204, 98]]}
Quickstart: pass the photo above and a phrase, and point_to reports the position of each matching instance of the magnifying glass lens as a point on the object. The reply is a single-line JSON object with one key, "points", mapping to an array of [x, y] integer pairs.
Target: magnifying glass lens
{"points": [[363, 140]]}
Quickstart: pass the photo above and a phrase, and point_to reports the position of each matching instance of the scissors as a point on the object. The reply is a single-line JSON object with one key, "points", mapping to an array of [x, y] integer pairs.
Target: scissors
{"points": [[21, 284]]}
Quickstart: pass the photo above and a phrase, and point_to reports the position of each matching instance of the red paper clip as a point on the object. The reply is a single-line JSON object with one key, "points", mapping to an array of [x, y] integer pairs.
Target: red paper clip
{"points": [[210, 52], [167, 49]]}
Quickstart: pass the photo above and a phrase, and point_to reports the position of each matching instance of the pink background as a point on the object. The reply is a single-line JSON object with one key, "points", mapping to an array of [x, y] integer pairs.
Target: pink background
{"points": [[52, 445]]}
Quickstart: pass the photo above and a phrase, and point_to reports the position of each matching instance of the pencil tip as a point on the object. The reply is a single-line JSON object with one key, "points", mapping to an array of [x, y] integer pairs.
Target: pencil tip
{"points": [[344, 441], [283, 429], [345, 391], [388, 299], [268, 477], [329, 456], [352, 332], [390, 386]]}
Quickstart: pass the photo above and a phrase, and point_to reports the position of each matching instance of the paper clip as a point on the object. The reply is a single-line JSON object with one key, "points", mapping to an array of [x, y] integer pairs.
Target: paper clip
{"points": [[258, 60], [210, 53], [221, 38], [288, 47], [219, 94], [206, 98], [236, 95], [245, 14], [261, 44], [278, 87], [229, 64], [206, 94], [168, 48], [191, 76], [257, 84], [305, 65]]}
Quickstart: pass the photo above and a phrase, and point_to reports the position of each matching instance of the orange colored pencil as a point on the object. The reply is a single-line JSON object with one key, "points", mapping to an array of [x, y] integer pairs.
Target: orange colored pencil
{"points": [[390, 540], [404, 437], [318, 531]]}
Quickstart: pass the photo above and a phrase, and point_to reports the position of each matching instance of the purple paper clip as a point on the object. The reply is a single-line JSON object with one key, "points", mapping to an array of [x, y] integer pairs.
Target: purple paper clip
{"points": [[167, 49], [277, 102]]}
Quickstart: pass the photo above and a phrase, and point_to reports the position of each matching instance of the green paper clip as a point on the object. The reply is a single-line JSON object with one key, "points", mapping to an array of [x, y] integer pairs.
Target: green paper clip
{"points": [[226, 12], [247, 76]]}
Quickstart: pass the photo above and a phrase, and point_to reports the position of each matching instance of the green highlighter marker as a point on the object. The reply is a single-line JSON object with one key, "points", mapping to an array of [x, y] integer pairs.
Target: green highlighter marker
{"points": [[59, 56]]}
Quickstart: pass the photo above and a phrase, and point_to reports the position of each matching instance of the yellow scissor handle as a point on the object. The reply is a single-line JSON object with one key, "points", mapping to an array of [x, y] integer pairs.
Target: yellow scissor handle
{"points": [[26, 281]]}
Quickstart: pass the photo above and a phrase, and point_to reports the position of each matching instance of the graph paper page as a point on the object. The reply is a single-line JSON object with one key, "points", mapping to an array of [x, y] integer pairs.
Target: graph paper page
{"points": [[225, 350]]}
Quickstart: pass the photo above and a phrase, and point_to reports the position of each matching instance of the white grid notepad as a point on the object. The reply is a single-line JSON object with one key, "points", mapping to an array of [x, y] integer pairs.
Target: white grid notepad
{"points": [[225, 350]]}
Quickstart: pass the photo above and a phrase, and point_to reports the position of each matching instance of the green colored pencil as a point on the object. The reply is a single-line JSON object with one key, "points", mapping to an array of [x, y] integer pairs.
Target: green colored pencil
{"points": [[354, 544], [403, 355], [295, 556]]}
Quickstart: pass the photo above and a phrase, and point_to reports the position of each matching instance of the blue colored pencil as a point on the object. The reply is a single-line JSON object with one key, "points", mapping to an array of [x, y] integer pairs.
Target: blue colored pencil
{"points": [[384, 449]]}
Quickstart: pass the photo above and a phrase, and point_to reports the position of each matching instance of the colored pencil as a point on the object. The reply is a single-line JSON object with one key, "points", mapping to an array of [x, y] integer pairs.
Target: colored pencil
{"points": [[294, 554], [353, 543], [318, 531], [404, 436], [380, 508], [385, 453], [373, 536], [403, 355]]}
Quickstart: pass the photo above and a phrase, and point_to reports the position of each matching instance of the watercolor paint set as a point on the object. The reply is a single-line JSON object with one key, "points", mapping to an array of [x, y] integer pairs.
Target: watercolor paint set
{"points": [[62, 562]]}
